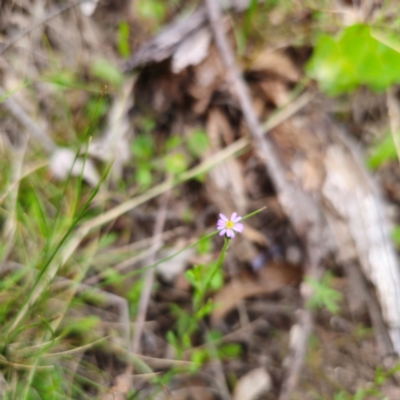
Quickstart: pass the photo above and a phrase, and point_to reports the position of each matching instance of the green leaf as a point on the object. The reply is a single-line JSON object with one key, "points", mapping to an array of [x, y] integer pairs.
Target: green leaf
{"points": [[143, 147], [151, 9], [217, 278], [173, 142], [231, 350], [384, 151], [107, 240], [199, 357], [83, 325], [143, 177], [395, 234], [355, 57], [324, 296], [204, 246], [197, 143], [172, 340], [123, 40], [175, 163], [105, 70]]}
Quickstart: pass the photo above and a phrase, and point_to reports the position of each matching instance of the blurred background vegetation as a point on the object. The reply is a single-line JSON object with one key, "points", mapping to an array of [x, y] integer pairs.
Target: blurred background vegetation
{"points": [[89, 160]]}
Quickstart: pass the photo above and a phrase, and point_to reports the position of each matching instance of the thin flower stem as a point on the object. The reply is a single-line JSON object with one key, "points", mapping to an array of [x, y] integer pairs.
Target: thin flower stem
{"points": [[217, 266]]}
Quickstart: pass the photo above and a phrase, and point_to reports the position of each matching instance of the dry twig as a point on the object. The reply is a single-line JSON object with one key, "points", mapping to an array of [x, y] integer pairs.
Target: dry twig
{"points": [[149, 277]]}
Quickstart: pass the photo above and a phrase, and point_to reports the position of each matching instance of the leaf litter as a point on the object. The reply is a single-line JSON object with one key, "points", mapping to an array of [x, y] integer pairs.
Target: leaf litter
{"points": [[182, 86]]}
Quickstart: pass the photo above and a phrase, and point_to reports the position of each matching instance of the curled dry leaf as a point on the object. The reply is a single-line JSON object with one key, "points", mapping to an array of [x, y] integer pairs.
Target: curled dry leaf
{"points": [[252, 385], [273, 277], [192, 51], [277, 63]]}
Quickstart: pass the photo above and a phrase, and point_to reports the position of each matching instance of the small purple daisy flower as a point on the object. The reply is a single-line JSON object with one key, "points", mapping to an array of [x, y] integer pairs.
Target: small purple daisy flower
{"points": [[229, 226]]}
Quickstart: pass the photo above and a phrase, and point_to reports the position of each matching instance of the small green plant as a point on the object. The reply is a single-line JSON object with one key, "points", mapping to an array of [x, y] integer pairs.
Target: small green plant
{"points": [[324, 296], [359, 55], [123, 39], [375, 390], [382, 152]]}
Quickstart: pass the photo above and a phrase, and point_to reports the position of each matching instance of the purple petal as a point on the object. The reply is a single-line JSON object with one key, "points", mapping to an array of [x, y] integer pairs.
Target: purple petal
{"points": [[230, 233], [222, 233], [224, 218], [221, 225], [238, 227], [237, 219], [233, 216]]}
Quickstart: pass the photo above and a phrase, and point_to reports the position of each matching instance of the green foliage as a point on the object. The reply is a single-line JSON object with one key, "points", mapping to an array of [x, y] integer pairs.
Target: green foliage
{"points": [[358, 56], [105, 70], [82, 326], [173, 142], [152, 9], [204, 246], [143, 147], [382, 152], [123, 40], [176, 163], [197, 143], [381, 377], [324, 296]]}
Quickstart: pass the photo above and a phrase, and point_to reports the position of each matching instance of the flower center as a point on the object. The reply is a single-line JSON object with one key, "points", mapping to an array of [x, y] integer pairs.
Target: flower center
{"points": [[229, 225]]}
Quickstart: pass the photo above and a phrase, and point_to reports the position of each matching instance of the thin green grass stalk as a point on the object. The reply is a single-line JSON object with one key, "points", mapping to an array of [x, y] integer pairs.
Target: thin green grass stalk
{"points": [[217, 266], [86, 139], [36, 289], [43, 351], [26, 392]]}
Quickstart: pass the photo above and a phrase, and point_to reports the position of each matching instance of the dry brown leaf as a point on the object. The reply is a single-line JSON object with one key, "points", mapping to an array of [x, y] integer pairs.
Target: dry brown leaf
{"points": [[208, 76], [121, 387], [272, 278], [255, 236], [192, 51], [253, 384], [275, 91], [278, 63]]}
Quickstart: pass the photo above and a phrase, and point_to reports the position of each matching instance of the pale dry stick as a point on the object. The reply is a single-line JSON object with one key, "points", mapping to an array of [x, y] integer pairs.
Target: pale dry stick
{"points": [[152, 362], [146, 242], [293, 363], [75, 350], [127, 376], [149, 276], [123, 265], [299, 206], [52, 15]]}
